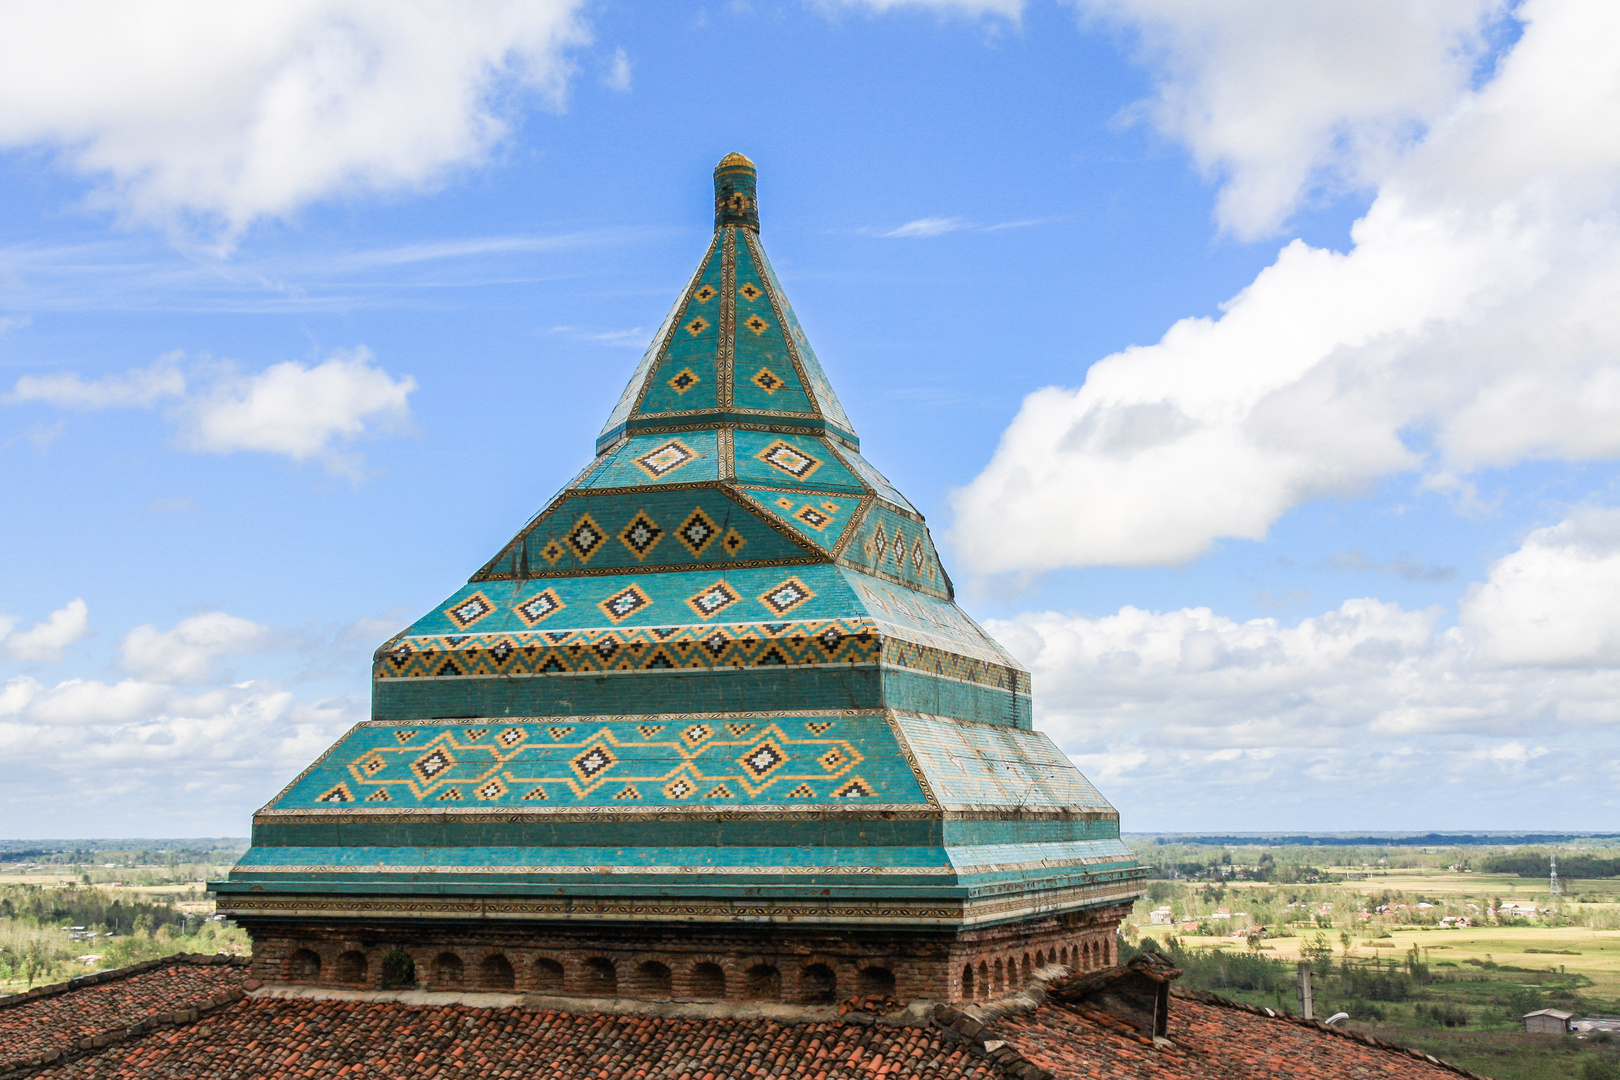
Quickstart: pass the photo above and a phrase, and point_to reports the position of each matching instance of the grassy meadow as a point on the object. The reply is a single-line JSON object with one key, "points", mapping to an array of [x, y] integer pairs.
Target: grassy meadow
{"points": [[1439, 947]]}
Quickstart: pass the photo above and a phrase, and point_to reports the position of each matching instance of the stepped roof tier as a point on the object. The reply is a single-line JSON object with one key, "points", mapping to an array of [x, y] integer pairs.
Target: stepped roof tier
{"points": [[721, 677]]}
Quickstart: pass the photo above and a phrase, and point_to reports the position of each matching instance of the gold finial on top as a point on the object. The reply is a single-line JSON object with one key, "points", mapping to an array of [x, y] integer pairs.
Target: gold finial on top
{"points": [[734, 160]]}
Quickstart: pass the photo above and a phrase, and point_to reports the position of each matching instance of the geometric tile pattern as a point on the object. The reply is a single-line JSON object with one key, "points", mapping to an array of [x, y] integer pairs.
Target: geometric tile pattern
{"points": [[744, 645], [776, 760], [789, 644]]}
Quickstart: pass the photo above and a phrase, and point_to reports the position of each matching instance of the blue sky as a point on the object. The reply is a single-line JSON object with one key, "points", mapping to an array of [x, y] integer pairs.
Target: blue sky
{"points": [[1255, 365]]}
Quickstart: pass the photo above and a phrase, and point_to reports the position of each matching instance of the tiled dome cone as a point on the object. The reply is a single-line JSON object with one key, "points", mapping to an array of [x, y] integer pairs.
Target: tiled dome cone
{"points": [[710, 725]]}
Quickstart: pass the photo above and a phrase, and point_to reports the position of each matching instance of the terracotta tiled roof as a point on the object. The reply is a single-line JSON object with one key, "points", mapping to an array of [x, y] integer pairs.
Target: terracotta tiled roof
{"points": [[275, 1039], [315, 1039], [1210, 1039], [58, 1018]]}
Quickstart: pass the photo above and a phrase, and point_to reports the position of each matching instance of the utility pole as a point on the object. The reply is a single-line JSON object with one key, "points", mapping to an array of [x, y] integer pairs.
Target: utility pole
{"points": [[1306, 1010]]}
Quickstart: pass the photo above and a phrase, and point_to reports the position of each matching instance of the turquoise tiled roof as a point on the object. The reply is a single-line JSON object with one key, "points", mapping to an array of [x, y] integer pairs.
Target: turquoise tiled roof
{"points": [[725, 659]]}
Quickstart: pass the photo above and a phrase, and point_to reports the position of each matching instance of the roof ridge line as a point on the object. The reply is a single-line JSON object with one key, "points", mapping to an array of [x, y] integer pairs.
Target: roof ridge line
{"points": [[1207, 997]]}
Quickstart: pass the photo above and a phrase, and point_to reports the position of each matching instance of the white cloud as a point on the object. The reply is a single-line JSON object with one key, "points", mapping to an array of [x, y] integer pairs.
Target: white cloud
{"points": [[926, 227], [1274, 96], [186, 654], [1368, 716], [618, 75], [1472, 316], [1556, 600], [44, 641], [138, 387], [303, 411], [1367, 713], [300, 411], [237, 111]]}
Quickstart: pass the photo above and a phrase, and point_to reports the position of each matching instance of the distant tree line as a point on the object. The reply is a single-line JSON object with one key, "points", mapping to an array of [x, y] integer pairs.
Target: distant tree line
{"points": [[1535, 864]]}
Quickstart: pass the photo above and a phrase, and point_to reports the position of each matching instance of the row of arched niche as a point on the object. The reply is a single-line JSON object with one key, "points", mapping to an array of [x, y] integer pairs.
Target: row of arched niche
{"points": [[595, 976], [990, 978]]}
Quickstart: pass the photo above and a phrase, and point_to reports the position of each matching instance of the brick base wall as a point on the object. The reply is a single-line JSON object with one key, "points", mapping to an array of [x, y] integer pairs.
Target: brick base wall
{"points": [[683, 962]]}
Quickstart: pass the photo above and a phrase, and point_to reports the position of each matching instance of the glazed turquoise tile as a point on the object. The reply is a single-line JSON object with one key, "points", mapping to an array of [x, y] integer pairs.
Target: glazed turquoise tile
{"points": [[820, 517], [724, 662], [689, 458], [792, 461]]}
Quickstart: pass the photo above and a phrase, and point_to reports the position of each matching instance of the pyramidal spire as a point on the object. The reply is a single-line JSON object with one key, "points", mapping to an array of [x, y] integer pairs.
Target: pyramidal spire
{"points": [[731, 351]]}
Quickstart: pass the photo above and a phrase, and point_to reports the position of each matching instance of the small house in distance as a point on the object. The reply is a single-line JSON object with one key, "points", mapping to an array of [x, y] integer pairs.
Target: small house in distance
{"points": [[1548, 1022]]}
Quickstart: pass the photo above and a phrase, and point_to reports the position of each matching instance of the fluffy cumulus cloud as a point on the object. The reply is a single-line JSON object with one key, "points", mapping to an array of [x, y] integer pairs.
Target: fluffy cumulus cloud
{"points": [[304, 411], [186, 652], [174, 743], [45, 641], [1367, 713], [229, 112], [1469, 324]]}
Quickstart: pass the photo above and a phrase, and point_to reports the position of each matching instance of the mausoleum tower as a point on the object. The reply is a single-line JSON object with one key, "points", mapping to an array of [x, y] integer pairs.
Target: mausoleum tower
{"points": [[710, 726]]}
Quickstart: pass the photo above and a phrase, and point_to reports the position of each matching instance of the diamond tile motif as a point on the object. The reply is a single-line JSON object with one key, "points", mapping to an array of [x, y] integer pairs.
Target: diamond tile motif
{"points": [[878, 544], [713, 600], [679, 788], [593, 762], [767, 380], [698, 734], [785, 503], [683, 380], [765, 758], [697, 326], [665, 459], [855, 789], [625, 603], [586, 537], [552, 551], [536, 608], [749, 291], [733, 542], [790, 459], [704, 293], [511, 737], [899, 548], [786, 596], [490, 789], [372, 764], [641, 535], [470, 610], [917, 555], [697, 532], [813, 517], [433, 764], [756, 324]]}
